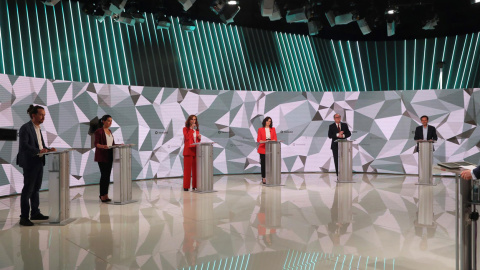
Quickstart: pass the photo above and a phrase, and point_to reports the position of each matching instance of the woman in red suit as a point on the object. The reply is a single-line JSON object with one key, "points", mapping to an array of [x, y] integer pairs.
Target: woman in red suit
{"points": [[104, 155], [265, 133], [191, 135]]}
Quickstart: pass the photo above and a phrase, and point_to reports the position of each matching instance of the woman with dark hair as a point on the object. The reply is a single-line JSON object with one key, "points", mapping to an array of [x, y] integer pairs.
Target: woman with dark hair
{"points": [[104, 155], [191, 134], [265, 133]]}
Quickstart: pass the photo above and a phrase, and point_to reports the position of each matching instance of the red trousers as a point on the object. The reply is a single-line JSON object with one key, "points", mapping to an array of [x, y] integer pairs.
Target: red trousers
{"points": [[189, 170]]}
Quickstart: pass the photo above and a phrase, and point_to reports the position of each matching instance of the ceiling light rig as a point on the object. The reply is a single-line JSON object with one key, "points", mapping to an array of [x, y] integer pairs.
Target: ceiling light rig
{"points": [[225, 10]]}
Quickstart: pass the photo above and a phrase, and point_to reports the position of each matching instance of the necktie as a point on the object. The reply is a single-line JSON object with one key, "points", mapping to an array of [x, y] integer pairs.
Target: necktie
{"points": [[338, 127]]}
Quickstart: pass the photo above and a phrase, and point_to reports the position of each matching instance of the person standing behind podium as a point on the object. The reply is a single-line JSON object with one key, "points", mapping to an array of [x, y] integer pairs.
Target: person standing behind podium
{"points": [[191, 135], [30, 145], [425, 131], [103, 155], [337, 130], [265, 133]]}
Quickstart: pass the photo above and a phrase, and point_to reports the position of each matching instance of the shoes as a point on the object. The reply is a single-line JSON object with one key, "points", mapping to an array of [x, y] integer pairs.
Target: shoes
{"points": [[104, 200], [194, 188], [185, 189], [39, 216], [25, 222]]}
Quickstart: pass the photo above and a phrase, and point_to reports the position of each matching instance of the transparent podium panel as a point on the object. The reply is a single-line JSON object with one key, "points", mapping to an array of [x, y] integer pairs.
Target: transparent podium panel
{"points": [[273, 207], [204, 167], [59, 187], [425, 162], [122, 174], [273, 163], [345, 165]]}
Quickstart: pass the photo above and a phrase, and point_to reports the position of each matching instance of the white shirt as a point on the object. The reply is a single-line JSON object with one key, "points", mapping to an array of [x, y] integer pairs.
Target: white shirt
{"points": [[267, 133], [109, 139], [339, 126], [425, 132], [39, 136]]}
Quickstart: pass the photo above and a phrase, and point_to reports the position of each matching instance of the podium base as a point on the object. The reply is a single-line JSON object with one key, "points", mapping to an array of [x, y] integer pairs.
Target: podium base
{"points": [[61, 223], [204, 191], [345, 181], [274, 185], [122, 203], [425, 184]]}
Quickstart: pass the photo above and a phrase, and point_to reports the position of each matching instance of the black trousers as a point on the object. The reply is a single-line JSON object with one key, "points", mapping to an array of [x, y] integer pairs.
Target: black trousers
{"points": [[32, 181], [335, 159], [105, 172], [262, 164]]}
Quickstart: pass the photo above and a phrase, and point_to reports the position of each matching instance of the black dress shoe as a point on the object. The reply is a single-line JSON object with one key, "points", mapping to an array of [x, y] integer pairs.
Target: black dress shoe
{"points": [[185, 189], [25, 222], [104, 200], [39, 216]]}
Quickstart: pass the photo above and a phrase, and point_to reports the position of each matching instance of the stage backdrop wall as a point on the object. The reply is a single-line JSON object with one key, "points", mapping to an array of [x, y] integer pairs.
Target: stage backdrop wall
{"points": [[153, 118]]}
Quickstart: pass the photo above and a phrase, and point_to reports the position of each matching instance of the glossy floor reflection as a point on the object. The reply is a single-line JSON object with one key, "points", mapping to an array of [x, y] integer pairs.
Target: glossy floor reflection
{"points": [[379, 222]]}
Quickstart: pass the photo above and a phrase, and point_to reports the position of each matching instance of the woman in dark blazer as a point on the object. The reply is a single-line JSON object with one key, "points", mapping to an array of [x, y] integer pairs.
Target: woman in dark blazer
{"points": [[265, 133], [104, 155], [191, 134]]}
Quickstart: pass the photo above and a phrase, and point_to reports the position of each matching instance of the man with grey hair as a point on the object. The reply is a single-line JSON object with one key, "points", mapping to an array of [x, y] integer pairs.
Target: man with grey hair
{"points": [[337, 130]]}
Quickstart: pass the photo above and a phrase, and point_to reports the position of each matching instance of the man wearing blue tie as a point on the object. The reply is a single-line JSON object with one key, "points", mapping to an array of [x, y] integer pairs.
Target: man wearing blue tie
{"points": [[30, 145]]}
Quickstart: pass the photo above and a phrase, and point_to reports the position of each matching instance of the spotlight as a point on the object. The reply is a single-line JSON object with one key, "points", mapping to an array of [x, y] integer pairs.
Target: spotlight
{"points": [[267, 7], [331, 18], [233, 3], [186, 3], [391, 10], [229, 13], [314, 26], [391, 28], [430, 24], [363, 25], [116, 6], [276, 15], [346, 18], [162, 21], [50, 2], [187, 25], [475, 1], [217, 6], [297, 16]]}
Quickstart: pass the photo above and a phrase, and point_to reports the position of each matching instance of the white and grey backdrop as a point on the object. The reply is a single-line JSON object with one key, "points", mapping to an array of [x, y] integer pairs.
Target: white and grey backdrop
{"points": [[153, 118]]}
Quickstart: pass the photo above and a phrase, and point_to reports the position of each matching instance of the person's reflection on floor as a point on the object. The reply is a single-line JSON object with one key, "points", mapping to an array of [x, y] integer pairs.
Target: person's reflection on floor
{"points": [[264, 232], [101, 238], [30, 248], [190, 243]]}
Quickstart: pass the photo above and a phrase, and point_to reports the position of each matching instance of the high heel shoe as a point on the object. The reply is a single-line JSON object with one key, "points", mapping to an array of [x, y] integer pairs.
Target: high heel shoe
{"points": [[104, 200]]}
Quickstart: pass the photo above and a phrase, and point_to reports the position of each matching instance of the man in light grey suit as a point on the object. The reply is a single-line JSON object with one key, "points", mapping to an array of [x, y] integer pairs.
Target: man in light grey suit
{"points": [[30, 145]]}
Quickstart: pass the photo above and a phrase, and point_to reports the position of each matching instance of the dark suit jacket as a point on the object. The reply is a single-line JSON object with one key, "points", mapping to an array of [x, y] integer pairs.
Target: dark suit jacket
{"points": [[476, 172], [28, 146], [431, 133], [332, 133], [102, 155]]}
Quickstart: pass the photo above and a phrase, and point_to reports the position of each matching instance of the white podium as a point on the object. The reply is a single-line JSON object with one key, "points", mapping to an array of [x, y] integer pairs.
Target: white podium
{"points": [[425, 162], [273, 163], [59, 188], [122, 174], [345, 166], [204, 167]]}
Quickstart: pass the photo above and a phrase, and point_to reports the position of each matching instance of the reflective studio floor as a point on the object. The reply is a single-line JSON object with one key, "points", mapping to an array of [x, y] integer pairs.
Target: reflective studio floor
{"points": [[379, 222]]}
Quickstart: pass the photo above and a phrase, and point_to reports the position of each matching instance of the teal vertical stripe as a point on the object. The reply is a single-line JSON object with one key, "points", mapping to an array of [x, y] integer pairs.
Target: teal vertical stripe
{"points": [[63, 43]]}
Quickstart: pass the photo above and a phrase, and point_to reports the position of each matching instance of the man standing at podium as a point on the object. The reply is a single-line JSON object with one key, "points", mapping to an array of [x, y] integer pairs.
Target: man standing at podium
{"points": [[425, 131], [337, 130], [30, 145]]}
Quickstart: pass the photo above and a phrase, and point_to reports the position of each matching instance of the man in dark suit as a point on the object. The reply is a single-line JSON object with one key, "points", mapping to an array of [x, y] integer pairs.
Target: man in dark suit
{"points": [[425, 131], [30, 145], [337, 130]]}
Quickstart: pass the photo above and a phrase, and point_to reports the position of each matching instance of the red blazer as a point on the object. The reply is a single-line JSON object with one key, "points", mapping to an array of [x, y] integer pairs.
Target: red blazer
{"points": [[262, 136], [101, 155], [189, 149]]}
